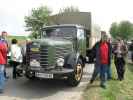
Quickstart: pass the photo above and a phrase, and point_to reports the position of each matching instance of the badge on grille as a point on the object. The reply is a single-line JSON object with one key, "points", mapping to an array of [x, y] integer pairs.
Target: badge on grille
{"points": [[34, 49]]}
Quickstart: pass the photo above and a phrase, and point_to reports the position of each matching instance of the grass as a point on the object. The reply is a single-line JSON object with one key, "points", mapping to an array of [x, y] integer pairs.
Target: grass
{"points": [[116, 90], [21, 39], [17, 37]]}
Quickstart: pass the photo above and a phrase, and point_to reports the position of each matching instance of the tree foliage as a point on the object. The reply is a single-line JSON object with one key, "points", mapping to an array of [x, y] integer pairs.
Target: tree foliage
{"points": [[124, 30], [113, 29], [40, 17], [69, 9], [37, 19]]}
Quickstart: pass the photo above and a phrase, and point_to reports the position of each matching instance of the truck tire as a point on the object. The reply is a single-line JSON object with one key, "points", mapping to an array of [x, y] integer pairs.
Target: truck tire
{"points": [[29, 76], [75, 78]]}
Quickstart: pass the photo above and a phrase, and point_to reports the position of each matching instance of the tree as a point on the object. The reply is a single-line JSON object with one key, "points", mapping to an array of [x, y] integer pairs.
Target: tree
{"points": [[123, 30], [69, 9], [37, 20], [114, 29]]}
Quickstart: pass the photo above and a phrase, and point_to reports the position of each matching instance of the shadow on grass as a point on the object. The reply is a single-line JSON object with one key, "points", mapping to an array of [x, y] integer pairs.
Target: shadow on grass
{"points": [[130, 67]]}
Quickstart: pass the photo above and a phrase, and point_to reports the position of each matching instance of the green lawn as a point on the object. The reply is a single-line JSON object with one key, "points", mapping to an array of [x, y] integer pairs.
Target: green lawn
{"points": [[116, 90], [21, 39], [16, 37]]}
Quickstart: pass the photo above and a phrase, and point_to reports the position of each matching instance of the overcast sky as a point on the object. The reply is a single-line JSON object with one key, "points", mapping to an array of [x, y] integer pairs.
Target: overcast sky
{"points": [[104, 12]]}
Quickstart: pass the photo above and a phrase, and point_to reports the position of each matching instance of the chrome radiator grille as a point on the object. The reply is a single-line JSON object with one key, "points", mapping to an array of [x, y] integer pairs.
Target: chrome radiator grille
{"points": [[44, 56], [41, 56]]}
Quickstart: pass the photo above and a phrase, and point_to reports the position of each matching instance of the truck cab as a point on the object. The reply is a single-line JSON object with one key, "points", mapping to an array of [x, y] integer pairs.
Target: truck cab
{"points": [[59, 53]]}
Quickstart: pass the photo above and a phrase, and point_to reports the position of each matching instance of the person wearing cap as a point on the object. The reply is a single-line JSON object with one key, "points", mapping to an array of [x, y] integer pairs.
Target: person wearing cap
{"points": [[101, 51], [4, 39], [3, 61]]}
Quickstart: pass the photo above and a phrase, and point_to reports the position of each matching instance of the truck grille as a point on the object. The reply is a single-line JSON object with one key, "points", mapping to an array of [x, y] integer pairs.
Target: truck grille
{"points": [[41, 56], [44, 56], [27, 55]]}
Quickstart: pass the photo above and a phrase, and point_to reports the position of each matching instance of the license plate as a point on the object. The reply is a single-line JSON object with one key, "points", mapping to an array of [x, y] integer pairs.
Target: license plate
{"points": [[44, 75]]}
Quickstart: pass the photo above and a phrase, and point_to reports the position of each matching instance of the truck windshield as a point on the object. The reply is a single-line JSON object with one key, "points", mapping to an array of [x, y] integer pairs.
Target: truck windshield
{"points": [[60, 32]]}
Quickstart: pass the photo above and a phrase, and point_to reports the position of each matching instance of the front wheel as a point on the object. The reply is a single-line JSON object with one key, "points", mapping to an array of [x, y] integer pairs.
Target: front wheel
{"points": [[76, 76], [30, 76]]}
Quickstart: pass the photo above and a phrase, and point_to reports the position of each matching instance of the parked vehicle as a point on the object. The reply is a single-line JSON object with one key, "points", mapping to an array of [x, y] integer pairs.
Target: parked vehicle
{"points": [[61, 51]]}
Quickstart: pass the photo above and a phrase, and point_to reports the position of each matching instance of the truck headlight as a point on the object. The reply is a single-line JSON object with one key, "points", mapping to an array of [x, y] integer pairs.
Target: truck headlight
{"points": [[60, 62], [34, 63]]}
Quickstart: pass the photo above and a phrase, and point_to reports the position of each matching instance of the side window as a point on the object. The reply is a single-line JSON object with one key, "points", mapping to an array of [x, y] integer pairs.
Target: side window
{"points": [[80, 34], [87, 38]]}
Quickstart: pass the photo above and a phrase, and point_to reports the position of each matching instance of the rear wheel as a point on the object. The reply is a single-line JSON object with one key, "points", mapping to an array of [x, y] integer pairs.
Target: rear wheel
{"points": [[76, 76]]}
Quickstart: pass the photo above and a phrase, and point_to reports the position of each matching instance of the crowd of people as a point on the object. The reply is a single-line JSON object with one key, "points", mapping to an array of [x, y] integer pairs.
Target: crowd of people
{"points": [[16, 56], [102, 52]]}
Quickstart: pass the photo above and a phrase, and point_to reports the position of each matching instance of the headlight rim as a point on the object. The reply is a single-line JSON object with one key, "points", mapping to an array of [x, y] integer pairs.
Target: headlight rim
{"points": [[60, 62]]}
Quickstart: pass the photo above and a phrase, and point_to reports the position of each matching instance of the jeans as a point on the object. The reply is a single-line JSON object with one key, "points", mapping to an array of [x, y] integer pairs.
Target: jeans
{"points": [[2, 77], [95, 73], [15, 64], [103, 73]]}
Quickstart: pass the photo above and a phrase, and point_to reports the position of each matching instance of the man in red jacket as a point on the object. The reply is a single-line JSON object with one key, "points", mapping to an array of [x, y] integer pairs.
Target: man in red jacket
{"points": [[4, 38], [3, 61], [104, 60], [102, 54]]}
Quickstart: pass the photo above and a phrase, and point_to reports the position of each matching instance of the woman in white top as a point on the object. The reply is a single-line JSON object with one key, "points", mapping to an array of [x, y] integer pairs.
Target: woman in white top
{"points": [[16, 56]]}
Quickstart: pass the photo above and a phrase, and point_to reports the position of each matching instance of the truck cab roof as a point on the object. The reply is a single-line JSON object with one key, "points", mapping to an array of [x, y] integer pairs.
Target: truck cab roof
{"points": [[64, 25]]}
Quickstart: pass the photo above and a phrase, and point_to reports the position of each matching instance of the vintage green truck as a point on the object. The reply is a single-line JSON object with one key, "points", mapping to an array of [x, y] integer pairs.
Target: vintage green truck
{"points": [[61, 50]]}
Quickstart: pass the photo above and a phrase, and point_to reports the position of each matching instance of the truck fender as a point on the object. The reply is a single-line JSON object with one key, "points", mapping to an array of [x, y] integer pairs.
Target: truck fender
{"points": [[71, 60]]}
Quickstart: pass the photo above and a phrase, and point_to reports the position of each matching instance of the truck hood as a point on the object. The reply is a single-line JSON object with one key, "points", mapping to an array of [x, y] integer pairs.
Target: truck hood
{"points": [[51, 49]]}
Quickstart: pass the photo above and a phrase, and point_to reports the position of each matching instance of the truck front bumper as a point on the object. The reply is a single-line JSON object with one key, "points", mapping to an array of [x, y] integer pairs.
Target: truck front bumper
{"points": [[51, 74]]}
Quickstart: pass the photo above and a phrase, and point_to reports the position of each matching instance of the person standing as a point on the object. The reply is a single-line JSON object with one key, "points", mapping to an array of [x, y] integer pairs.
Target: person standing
{"points": [[95, 55], [4, 38], [24, 48], [120, 51], [104, 60], [101, 51], [109, 71], [131, 49], [3, 61], [16, 56]]}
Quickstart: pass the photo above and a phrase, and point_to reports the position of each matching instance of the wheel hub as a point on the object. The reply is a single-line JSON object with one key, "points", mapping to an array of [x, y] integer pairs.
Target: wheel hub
{"points": [[78, 72]]}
